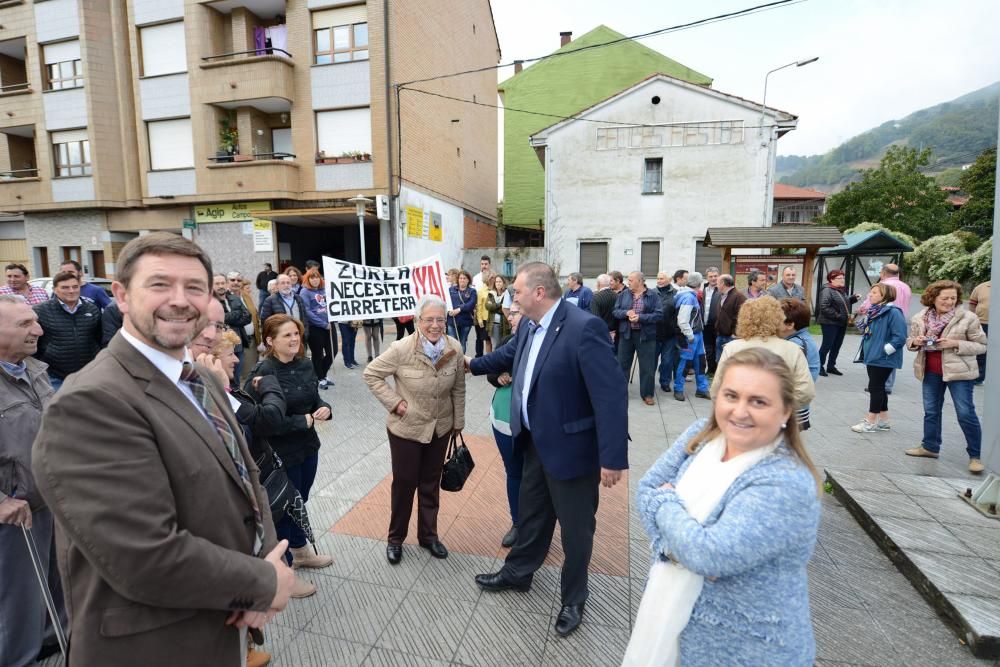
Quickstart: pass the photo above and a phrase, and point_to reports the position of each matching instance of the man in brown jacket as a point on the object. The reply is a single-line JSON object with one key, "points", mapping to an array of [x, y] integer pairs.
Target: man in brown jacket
{"points": [[729, 310], [162, 525]]}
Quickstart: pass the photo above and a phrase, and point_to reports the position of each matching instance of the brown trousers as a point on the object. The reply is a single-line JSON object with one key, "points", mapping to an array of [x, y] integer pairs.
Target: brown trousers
{"points": [[416, 467]]}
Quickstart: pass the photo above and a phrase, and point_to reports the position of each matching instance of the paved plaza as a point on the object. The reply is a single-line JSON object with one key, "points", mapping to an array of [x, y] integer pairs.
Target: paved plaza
{"points": [[430, 612]]}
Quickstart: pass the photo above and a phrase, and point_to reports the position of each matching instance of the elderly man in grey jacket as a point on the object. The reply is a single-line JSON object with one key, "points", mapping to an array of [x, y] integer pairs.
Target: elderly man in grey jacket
{"points": [[24, 391]]}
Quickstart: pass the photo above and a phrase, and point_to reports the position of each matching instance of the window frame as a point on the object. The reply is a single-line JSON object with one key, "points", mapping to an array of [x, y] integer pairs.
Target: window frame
{"points": [[334, 51], [85, 167], [584, 270], [76, 78], [646, 173]]}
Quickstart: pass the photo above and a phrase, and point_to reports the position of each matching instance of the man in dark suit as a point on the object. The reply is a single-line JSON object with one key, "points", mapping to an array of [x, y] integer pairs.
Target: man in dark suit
{"points": [[570, 445], [730, 302], [710, 298], [165, 540]]}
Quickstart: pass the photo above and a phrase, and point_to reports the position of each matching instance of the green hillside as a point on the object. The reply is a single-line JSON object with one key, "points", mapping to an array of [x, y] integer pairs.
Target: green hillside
{"points": [[956, 132]]}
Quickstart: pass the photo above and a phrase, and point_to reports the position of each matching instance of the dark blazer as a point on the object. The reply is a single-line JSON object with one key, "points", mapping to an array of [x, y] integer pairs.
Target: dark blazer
{"points": [[274, 305], [237, 316], [652, 313], [725, 325], [579, 432], [154, 531], [711, 309]]}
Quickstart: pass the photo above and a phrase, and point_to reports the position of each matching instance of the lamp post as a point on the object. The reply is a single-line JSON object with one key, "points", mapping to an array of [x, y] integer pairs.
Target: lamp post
{"points": [[360, 202], [767, 142]]}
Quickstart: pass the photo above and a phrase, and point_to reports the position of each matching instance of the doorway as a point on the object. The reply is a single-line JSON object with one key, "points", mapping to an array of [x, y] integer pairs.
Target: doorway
{"points": [[313, 241], [97, 264]]}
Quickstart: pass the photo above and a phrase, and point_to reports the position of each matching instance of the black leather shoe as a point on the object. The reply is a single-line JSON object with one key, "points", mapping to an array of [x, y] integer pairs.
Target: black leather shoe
{"points": [[703, 394], [437, 549], [822, 372], [833, 371], [394, 553], [679, 396], [508, 540], [570, 618], [498, 582]]}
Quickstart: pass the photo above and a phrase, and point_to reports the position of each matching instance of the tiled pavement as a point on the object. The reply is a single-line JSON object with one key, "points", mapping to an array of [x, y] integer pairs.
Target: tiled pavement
{"points": [[429, 612]]}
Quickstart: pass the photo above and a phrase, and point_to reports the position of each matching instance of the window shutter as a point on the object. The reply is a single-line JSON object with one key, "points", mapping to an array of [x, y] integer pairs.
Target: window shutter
{"points": [[593, 258], [163, 50], [329, 18], [67, 136], [649, 258], [339, 132], [170, 144], [61, 52]]}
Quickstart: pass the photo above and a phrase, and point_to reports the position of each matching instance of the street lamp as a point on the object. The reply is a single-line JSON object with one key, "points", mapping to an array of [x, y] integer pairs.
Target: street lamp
{"points": [[767, 142], [360, 202]]}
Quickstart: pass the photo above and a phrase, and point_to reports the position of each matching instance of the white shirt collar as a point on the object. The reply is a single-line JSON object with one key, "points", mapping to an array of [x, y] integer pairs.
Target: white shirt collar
{"points": [[164, 363], [546, 320]]}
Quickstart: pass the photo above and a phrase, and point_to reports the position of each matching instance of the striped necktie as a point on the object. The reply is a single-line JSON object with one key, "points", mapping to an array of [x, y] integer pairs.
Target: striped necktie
{"points": [[200, 391]]}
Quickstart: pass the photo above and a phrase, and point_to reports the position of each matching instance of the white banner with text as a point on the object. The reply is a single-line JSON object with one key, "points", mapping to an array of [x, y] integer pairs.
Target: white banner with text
{"points": [[358, 292]]}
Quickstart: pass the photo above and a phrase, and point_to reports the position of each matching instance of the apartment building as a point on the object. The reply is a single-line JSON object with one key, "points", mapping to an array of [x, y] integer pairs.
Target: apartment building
{"points": [[246, 125]]}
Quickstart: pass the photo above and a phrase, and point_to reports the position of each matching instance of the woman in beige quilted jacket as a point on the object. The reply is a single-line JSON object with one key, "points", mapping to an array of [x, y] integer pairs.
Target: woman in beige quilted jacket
{"points": [[947, 340], [426, 404]]}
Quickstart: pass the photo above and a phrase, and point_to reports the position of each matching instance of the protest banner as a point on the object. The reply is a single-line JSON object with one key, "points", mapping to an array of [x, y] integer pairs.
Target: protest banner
{"points": [[358, 292]]}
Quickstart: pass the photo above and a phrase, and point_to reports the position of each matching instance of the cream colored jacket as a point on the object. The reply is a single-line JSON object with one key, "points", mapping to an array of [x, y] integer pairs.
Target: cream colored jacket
{"points": [[805, 390], [957, 363], [434, 393]]}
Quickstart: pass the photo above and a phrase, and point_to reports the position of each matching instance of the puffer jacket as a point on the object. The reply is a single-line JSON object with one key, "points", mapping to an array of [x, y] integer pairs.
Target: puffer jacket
{"points": [[889, 327], [21, 404], [957, 363], [292, 439], [70, 341], [434, 393]]}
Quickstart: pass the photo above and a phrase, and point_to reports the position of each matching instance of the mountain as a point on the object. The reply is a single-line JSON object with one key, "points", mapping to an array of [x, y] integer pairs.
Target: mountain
{"points": [[957, 131]]}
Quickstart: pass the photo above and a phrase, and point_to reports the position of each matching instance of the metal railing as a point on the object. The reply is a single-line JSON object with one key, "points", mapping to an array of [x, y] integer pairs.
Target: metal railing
{"points": [[253, 52], [18, 173], [12, 87], [252, 157]]}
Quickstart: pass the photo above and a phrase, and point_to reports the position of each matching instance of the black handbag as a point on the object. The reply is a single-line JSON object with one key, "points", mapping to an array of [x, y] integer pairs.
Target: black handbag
{"points": [[458, 464], [281, 492]]}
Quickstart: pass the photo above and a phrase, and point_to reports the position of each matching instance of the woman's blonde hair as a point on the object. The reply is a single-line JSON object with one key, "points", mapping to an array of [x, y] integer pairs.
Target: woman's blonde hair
{"points": [[760, 317], [225, 339], [767, 361]]}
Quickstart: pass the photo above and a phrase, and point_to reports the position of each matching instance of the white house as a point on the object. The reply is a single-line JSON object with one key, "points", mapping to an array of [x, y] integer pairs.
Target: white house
{"points": [[634, 181]]}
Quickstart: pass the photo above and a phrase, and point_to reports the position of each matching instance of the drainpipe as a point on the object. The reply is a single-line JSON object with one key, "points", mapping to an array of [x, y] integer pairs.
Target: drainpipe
{"points": [[393, 251]]}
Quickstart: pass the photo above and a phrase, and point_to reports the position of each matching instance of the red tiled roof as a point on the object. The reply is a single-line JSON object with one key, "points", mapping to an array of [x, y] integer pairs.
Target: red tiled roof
{"points": [[782, 191]]}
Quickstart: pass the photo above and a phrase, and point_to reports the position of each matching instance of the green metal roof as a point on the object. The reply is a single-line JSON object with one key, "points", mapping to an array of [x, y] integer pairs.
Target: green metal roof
{"points": [[866, 242]]}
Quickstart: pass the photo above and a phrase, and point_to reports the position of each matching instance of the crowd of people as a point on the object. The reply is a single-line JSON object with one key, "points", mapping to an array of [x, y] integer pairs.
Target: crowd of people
{"points": [[191, 356]]}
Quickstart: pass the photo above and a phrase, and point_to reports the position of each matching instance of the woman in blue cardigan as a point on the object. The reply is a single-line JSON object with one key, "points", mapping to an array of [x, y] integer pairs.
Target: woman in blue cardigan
{"points": [[884, 330], [732, 510], [463, 301]]}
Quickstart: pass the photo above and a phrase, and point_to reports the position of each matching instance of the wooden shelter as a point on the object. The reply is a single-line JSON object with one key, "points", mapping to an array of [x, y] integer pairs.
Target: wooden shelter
{"points": [[810, 239]]}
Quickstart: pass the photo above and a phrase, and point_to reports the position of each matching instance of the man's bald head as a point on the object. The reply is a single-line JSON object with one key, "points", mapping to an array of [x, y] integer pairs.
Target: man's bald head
{"points": [[890, 270]]}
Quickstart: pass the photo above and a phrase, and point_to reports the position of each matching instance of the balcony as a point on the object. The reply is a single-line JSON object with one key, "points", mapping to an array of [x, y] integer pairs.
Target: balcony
{"points": [[13, 71], [20, 183], [262, 177], [248, 75]]}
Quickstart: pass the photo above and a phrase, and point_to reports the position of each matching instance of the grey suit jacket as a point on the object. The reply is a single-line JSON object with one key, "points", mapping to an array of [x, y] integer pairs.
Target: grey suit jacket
{"points": [[154, 532]]}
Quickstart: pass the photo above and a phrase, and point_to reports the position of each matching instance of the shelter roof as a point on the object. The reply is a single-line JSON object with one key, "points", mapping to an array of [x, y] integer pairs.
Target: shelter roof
{"points": [[773, 237], [861, 243]]}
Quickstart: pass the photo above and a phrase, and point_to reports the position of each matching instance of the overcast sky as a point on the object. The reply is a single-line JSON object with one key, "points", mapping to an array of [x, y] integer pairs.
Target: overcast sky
{"points": [[879, 59]]}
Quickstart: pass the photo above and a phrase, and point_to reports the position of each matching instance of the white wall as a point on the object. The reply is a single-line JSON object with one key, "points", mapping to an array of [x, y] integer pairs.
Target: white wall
{"points": [[597, 195], [452, 223]]}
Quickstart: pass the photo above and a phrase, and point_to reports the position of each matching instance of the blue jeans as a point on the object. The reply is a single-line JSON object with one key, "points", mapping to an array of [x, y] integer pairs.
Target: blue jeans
{"points": [[56, 382], [348, 334], [720, 343], [961, 395], [513, 465], [261, 297], [666, 350], [693, 352], [301, 476], [981, 359], [462, 334]]}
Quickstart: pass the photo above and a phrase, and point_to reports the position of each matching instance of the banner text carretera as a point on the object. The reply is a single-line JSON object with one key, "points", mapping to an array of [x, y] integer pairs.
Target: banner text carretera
{"points": [[357, 292]]}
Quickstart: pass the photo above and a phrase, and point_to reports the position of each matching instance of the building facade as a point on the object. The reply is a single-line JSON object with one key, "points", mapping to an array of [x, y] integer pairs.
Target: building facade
{"points": [[796, 206], [245, 124], [564, 85], [634, 182]]}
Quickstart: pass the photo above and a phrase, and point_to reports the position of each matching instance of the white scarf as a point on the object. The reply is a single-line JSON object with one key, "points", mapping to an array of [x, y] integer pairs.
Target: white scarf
{"points": [[672, 590]]}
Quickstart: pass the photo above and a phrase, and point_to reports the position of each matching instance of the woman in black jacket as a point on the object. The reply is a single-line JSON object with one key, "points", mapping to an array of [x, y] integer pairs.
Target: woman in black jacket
{"points": [[832, 314], [294, 439]]}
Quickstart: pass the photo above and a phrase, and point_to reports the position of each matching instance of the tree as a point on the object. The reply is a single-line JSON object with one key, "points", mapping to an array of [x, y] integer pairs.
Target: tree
{"points": [[979, 182], [895, 195]]}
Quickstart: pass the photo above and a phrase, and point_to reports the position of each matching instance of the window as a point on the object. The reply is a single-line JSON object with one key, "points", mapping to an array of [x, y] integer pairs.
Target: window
{"points": [[781, 217], [340, 35], [63, 68], [344, 131], [71, 150], [796, 216], [593, 258], [162, 48], [649, 258], [170, 144], [652, 176]]}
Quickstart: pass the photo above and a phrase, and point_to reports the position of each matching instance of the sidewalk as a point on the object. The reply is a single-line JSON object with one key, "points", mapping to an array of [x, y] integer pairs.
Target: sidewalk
{"points": [[430, 612]]}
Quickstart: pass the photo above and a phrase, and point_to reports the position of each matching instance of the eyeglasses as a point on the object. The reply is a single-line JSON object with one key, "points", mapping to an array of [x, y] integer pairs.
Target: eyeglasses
{"points": [[433, 320], [220, 326]]}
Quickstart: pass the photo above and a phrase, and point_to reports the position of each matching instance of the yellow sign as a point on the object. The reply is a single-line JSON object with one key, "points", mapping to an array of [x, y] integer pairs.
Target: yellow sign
{"points": [[414, 222], [263, 239], [235, 212]]}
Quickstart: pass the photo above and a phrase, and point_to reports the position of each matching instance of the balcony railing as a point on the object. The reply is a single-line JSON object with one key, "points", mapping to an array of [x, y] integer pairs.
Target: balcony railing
{"points": [[219, 159], [15, 88], [249, 54], [18, 173]]}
